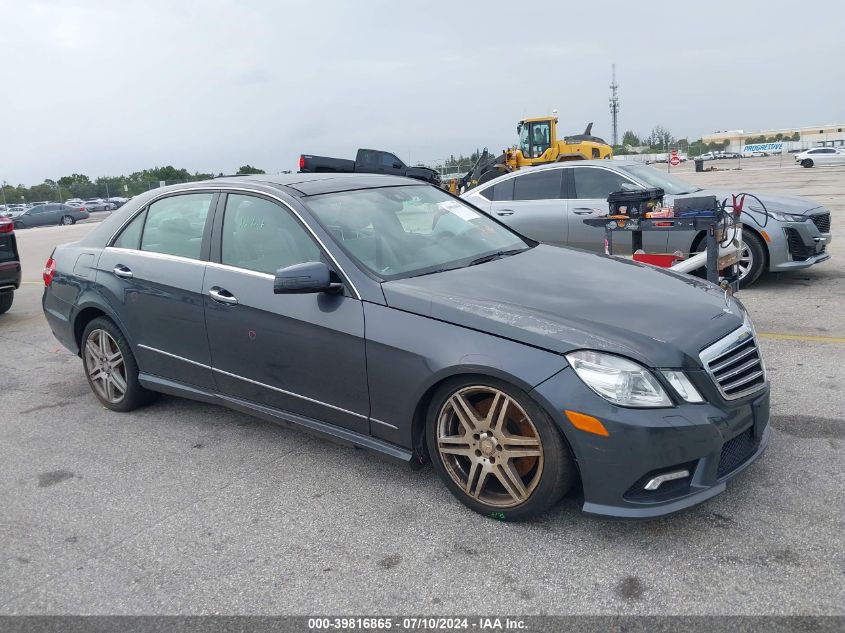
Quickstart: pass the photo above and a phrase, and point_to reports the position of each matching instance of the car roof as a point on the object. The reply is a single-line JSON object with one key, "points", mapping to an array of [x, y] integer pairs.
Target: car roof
{"points": [[315, 184], [562, 165]]}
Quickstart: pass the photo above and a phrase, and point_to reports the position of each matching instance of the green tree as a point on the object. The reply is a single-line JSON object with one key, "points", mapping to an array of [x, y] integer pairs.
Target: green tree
{"points": [[244, 170], [631, 139], [660, 138]]}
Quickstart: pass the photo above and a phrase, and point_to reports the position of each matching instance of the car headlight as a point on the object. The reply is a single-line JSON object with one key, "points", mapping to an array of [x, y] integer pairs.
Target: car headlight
{"points": [[618, 380], [787, 217]]}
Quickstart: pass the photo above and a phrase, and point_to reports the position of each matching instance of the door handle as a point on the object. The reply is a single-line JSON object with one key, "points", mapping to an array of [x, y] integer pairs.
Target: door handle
{"points": [[505, 212], [122, 271], [221, 295], [584, 211]]}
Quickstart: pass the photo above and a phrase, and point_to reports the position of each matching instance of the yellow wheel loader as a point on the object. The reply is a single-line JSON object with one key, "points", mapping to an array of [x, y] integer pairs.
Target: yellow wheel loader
{"points": [[538, 145]]}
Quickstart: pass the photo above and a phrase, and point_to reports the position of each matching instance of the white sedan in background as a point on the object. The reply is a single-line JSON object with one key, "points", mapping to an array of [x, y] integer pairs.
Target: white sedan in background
{"points": [[821, 156]]}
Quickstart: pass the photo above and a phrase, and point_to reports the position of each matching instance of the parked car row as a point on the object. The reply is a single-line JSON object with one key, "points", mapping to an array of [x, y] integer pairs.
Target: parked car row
{"points": [[90, 205]]}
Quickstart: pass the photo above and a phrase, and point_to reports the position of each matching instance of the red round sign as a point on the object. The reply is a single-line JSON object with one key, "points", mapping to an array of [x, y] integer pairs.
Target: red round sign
{"points": [[674, 161]]}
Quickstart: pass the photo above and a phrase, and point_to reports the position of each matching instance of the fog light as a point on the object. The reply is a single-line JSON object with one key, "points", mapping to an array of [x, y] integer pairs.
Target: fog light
{"points": [[655, 482]]}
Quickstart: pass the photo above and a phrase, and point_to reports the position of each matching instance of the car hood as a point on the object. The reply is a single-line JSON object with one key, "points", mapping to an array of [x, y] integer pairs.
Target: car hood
{"points": [[782, 202], [562, 299]]}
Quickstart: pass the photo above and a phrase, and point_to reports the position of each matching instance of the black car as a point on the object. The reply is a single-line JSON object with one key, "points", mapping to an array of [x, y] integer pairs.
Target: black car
{"points": [[387, 314], [10, 265], [50, 214]]}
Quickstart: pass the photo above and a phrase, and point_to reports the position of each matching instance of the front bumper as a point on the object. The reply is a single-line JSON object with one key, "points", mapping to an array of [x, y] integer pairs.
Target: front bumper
{"points": [[715, 442], [800, 245]]}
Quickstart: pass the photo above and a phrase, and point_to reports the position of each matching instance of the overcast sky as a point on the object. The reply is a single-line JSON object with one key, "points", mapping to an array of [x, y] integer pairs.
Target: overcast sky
{"points": [[105, 88]]}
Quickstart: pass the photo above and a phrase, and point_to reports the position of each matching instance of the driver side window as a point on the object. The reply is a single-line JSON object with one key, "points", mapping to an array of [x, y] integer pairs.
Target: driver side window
{"points": [[262, 236]]}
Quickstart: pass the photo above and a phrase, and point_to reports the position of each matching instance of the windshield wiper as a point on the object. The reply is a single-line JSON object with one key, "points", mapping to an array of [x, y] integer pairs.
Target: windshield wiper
{"points": [[496, 255]]}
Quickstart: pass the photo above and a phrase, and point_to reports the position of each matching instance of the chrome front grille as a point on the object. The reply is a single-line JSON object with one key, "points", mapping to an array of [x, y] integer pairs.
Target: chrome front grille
{"points": [[735, 364]]}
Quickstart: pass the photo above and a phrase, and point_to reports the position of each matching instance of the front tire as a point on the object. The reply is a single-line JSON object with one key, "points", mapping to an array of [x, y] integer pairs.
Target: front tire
{"points": [[18, 225], [496, 450], [111, 368], [6, 299], [752, 259], [807, 162]]}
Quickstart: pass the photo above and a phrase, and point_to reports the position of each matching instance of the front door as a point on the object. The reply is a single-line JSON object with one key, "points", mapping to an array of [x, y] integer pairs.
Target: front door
{"points": [[589, 188], [151, 275], [300, 353]]}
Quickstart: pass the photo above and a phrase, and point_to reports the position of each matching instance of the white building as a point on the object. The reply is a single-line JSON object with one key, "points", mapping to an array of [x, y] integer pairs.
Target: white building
{"points": [[830, 135]]}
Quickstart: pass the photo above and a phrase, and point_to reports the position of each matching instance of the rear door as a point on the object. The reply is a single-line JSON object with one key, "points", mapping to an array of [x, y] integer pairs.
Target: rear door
{"points": [[588, 189], [532, 203], [152, 276], [300, 353]]}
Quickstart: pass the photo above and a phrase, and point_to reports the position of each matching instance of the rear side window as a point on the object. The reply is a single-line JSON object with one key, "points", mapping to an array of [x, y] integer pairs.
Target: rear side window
{"points": [[594, 182], [130, 237], [539, 185], [262, 236], [501, 191], [174, 225]]}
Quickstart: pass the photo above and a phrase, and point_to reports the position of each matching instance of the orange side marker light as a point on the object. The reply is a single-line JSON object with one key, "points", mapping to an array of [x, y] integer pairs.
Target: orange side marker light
{"points": [[586, 423]]}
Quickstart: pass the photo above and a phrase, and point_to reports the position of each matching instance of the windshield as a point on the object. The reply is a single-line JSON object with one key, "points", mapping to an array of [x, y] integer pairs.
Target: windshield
{"points": [[653, 178], [397, 232]]}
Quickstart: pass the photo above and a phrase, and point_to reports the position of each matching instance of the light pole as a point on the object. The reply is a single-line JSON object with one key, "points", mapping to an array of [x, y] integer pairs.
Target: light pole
{"points": [[4, 193]]}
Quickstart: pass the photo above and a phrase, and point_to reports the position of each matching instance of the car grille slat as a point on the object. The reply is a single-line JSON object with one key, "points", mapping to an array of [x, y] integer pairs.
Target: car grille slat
{"points": [[754, 362], [735, 364], [822, 222], [742, 381], [717, 368]]}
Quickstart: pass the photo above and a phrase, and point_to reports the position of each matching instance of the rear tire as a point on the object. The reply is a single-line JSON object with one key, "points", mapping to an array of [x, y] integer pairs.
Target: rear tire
{"points": [[110, 367], [67, 220], [6, 300], [807, 162], [503, 455]]}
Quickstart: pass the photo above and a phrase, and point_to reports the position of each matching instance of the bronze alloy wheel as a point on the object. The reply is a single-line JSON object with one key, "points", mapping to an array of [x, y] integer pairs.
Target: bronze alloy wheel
{"points": [[105, 366], [489, 446]]}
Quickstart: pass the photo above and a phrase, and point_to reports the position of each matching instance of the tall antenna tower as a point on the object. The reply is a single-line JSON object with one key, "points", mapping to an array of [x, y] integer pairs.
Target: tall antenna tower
{"points": [[614, 107]]}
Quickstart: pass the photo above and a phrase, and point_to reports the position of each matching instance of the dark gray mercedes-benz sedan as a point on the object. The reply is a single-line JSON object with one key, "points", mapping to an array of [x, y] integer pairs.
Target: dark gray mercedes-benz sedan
{"points": [[390, 315]]}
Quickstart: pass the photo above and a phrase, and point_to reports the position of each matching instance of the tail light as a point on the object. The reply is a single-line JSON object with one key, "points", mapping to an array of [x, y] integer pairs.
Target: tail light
{"points": [[83, 209], [49, 271], [6, 225], [302, 162]]}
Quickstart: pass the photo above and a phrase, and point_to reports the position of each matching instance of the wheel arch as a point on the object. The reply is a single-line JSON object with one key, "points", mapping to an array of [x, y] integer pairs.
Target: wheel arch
{"points": [[89, 309], [423, 401], [746, 228]]}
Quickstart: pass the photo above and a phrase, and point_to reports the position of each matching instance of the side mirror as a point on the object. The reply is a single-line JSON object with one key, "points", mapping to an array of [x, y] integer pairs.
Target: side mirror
{"points": [[627, 186], [397, 165], [305, 278]]}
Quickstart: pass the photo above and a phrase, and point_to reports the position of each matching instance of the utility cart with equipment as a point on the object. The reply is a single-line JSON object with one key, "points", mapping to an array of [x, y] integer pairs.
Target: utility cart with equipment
{"points": [[636, 211]]}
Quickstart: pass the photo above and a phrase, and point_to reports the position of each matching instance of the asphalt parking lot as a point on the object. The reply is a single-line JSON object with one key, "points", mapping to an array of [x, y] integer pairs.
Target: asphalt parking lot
{"points": [[185, 508]]}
